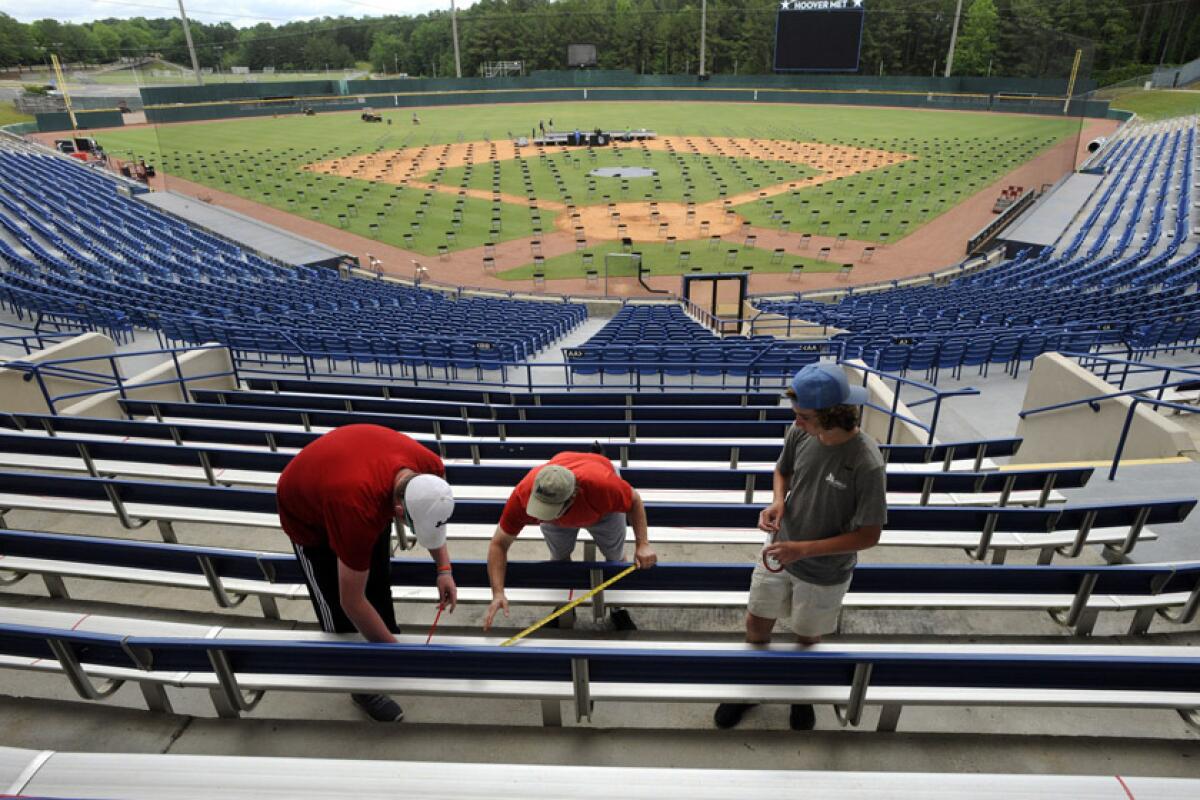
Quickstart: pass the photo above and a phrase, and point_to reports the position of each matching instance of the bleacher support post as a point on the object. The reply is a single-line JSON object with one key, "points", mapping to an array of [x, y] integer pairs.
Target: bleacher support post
{"points": [[851, 714], [80, 682], [228, 698], [583, 696]]}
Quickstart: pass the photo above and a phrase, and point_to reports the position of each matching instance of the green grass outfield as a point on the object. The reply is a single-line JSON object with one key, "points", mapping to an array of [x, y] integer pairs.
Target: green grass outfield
{"points": [[955, 154], [10, 116], [659, 259], [1159, 103], [562, 175]]}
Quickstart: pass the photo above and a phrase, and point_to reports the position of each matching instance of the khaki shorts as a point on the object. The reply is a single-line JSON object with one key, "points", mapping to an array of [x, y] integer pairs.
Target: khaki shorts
{"points": [[608, 533], [808, 609]]}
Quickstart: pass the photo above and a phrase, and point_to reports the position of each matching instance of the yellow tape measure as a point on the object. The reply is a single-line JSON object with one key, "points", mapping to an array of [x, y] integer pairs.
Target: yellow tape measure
{"points": [[569, 606]]}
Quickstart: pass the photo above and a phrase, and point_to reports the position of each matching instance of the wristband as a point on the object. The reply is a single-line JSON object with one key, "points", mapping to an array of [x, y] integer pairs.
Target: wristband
{"points": [[446, 568]]}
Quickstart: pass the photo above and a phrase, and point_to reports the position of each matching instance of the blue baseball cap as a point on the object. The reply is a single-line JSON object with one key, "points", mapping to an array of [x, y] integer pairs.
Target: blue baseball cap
{"points": [[823, 385]]}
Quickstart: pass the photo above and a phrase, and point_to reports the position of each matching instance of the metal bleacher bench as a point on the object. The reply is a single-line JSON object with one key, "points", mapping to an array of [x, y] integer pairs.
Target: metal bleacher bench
{"points": [[451, 428], [221, 465], [34, 773], [983, 531], [238, 667], [687, 407], [1073, 595], [504, 397], [973, 455]]}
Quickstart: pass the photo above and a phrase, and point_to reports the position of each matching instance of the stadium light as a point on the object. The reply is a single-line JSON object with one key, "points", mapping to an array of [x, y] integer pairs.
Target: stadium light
{"points": [[454, 35], [953, 38], [187, 34]]}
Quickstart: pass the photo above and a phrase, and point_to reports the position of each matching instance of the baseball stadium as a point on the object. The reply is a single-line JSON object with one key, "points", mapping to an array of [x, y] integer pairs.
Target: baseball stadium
{"points": [[751, 395]]}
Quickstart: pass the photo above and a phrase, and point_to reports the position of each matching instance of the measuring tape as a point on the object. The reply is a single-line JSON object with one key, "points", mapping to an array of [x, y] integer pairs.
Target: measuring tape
{"points": [[569, 606], [767, 562]]}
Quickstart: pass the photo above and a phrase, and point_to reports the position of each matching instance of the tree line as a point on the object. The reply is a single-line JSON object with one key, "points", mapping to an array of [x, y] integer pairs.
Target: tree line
{"points": [[1015, 38]]}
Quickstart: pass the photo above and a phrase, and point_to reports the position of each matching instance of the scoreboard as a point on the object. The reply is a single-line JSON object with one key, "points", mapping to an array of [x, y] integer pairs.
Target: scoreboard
{"points": [[818, 36]]}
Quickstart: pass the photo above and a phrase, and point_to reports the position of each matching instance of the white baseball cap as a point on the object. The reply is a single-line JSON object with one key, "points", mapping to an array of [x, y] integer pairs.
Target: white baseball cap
{"points": [[428, 505]]}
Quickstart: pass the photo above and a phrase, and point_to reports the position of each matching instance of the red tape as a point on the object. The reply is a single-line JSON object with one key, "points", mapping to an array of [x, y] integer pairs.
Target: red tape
{"points": [[429, 638]]}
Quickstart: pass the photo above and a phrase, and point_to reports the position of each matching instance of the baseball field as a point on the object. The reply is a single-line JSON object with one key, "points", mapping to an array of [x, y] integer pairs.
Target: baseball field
{"points": [[715, 188]]}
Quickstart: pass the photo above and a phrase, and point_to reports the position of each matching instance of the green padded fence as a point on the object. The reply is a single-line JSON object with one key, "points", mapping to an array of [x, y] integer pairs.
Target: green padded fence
{"points": [[212, 93], [20, 128], [1037, 96], [87, 120]]}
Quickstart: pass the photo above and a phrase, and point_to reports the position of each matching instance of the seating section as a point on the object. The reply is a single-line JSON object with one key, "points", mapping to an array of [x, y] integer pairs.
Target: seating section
{"points": [[1121, 274], [662, 340], [210, 465], [202, 472], [75, 249], [1073, 595]]}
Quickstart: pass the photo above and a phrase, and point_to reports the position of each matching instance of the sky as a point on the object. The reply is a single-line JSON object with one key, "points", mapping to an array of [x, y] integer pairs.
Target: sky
{"points": [[244, 14]]}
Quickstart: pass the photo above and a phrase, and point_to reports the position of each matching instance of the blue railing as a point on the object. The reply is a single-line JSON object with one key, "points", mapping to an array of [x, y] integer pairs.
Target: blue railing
{"points": [[1136, 396], [31, 339], [639, 376], [937, 396], [112, 380]]}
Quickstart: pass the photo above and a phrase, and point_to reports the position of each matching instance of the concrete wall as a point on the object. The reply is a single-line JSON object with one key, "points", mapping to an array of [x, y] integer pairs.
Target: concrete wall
{"points": [[192, 363], [1176, 77], [1081, 434], [22, 396], [875, 422]]}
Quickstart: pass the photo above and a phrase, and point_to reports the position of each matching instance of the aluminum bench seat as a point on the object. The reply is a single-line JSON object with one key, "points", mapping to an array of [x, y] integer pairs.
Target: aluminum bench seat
{"points": [[238, 672], [1074, 595], [503, 396], [686, 407], [967, 455], [226, 466], [990, 530], [64, 774]]}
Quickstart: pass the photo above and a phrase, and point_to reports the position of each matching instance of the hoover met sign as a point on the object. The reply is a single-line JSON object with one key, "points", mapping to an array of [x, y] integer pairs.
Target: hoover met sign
{"points": [[819, 5]]}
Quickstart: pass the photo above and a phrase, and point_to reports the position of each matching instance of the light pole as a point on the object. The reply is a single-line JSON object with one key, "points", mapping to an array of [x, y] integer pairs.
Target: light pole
{"points": [[953, 39], [454, 34], [187, 35], [703, 32]]}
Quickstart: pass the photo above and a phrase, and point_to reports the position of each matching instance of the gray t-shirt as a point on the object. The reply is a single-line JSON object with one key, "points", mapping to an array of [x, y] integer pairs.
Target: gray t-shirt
{"points": [[831, 491]]}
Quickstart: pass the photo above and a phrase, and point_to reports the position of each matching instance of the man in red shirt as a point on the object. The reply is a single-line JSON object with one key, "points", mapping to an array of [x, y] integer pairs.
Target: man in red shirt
{"points": [[571, 491], [337, 499]]}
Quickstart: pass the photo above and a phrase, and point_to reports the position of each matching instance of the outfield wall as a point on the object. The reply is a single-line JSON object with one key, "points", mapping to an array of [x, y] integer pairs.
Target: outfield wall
{"points": [[87, 120], [190, 103], [549, 79]]}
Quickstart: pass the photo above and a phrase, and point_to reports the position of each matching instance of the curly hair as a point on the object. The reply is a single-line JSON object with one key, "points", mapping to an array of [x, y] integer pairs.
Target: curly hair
{"points": [[842, 416]]}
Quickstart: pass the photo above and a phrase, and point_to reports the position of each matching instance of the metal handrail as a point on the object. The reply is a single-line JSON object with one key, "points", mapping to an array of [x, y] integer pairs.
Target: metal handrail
{"points": [[756, 375], [755, 378], [937, 396], [1136, 396], [113, 380]]}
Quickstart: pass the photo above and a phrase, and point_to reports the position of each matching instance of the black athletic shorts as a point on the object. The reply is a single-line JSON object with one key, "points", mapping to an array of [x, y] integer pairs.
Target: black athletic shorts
{"points": [[319, 564]]}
